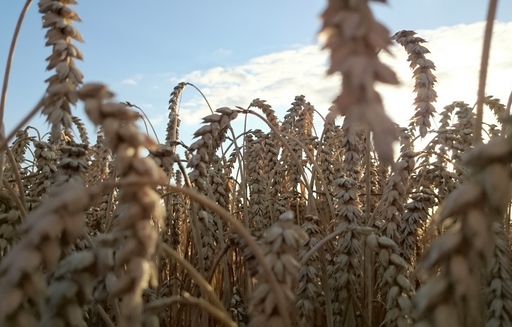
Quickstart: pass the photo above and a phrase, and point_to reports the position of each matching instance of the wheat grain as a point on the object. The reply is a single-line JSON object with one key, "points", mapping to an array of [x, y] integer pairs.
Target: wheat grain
{"points": [[309, 291], [82, 130], [173, 124], [346, 270], [354, 38], [58, 17], [72, 165], [139, 209], [46, 232], [412, 223], [279, 246], [267, 110], [498, 288], [45, 156], [424, 79]]}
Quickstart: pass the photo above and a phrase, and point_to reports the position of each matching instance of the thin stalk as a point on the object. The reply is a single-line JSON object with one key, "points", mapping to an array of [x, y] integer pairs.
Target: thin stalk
{"points": [[17, 177], [484, 63], [217, 261], [23, 122], [368, 253], [206, 288], [129, 104], [104, 316], [5, 84], [15, 198], [161, 304], [10, 57]]}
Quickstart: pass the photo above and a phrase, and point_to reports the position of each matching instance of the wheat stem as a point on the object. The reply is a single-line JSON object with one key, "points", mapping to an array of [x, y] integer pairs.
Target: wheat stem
{"points": [[160, 304], [484, 63], [10, 57], [198, 278]]}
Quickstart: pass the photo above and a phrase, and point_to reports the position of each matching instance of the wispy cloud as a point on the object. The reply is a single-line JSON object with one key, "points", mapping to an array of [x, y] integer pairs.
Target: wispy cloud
{"points": [[129, 81], [279, 77], [133, 79], [221, 52]]}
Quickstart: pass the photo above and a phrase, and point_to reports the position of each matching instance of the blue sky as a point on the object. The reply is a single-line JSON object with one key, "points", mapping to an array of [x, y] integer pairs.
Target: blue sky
{"points": [[233, 50]]}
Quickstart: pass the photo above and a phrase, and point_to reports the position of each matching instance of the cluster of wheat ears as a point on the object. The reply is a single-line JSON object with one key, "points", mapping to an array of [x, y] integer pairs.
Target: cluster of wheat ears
{"points": [[283, 227]]}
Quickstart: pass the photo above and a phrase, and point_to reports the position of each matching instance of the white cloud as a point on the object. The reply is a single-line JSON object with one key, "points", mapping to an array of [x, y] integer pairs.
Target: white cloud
{"points": [[279, 77]]}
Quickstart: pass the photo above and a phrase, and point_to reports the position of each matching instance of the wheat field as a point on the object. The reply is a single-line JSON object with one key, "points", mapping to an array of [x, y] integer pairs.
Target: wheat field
{"points": [[282, 226]]}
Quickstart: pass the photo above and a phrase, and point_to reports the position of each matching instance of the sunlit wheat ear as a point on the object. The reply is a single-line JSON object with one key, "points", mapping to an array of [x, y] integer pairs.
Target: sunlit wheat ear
{"points": [[45, 155], [392, 282], [463, 129], [292, 124], [329, 154], [209, 137], [58, 18], [424, 79], [219, 183], [100, 166], [173, 125], [394, 195], [180, 205], [46, 232], [493, 130], [468, 245], [139, 211], [270, 114], [82, 130], [70, 290], [100, 170], [257, 180], [271, 150], [305, 125], [376, 174], [73, 164], [279, 246], [352, 143], [309, 291], [345, 279], [14, 188], [435, 170], [165, 157], [354, 38], [497, 108], [395, 288], [290, 171], [19, 149], [413, 221]]}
